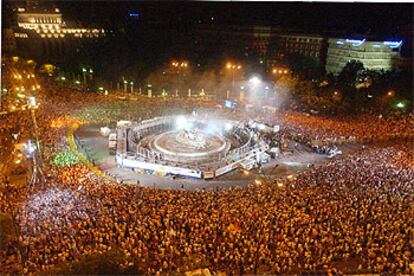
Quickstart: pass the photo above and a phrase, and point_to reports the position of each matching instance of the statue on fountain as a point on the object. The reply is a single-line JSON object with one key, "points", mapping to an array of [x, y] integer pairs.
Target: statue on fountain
{"points": [[193, 138]]}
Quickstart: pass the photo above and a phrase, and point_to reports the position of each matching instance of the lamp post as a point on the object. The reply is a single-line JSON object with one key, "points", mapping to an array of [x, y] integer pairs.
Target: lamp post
{"points": [[31, 150], [84, 76], [125, 85], [132, 86], [233, 68], [33, 106], [91, 74], [179, 66]]}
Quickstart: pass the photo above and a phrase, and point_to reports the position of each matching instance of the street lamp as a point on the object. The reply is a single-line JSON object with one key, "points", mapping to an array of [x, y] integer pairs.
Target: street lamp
{"points": [[179, 65], [233, 68], [84, 76], [255, 80], [125, 85], [91, 74], [280, 71], [33, 105], [132, 86], [400, 105]]}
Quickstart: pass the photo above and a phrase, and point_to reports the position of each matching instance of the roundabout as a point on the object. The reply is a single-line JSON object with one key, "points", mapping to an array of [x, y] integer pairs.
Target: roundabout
{"points": [[95, 147], [198, 146]]}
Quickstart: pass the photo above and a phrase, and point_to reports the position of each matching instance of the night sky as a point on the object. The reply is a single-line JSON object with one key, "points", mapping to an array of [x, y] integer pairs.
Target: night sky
{"points": [[382, 19]]}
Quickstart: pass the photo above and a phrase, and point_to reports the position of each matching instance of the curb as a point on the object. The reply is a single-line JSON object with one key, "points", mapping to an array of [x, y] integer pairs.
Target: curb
{"points": [[71, 140]]}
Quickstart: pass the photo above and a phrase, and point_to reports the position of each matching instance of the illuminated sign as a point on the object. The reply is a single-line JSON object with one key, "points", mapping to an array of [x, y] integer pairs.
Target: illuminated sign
{"points": [[376, 46], [134, 14], [393, 44], [340, 42], [355, 42]]}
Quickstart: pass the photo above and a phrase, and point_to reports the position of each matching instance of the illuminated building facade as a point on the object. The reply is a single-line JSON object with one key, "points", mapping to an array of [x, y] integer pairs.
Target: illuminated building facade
{"points": [[44, 34], [51, 25], [374, 55]]}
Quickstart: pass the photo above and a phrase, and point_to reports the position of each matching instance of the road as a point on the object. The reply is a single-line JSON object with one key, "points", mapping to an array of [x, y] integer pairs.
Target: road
{"points": [[96, 147]]}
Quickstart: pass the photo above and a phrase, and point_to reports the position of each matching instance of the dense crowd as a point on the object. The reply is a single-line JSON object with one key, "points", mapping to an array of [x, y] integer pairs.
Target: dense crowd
{"points": [[353, 214], [363, 128], [356, 212]]}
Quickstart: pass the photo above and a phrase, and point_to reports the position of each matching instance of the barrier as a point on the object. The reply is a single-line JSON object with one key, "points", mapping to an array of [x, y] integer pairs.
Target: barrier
{"points": [[126, 161], [74, 147], [136, 151]]}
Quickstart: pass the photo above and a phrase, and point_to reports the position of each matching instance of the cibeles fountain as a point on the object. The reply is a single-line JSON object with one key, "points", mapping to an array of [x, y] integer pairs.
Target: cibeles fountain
{"points": [[192, 138], [189, 145], [198, 146]]}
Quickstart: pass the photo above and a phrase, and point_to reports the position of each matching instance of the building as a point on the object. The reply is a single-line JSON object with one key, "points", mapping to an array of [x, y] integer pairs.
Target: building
{"points": [[8, 41], [375, 55], [264, 45], [44, 35], [242, 42], [312, 46], [50, 25]]}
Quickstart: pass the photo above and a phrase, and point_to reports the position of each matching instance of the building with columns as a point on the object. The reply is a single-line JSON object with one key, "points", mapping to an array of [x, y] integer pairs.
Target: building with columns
{"points": [[373, 54], [43, 34]]}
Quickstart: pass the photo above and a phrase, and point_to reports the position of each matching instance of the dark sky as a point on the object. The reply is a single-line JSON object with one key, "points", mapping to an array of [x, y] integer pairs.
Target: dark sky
{"points": [[359, 18], [384, 19]]}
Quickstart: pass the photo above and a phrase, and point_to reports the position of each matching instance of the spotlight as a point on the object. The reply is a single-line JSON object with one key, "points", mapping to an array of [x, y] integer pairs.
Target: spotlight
{"points": [[181, 122], [255, 80], [228, 127]]}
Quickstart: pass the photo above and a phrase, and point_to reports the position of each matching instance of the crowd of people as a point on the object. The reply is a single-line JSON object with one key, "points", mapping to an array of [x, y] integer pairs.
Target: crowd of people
{"points": [[353, 214], [362, 128]]}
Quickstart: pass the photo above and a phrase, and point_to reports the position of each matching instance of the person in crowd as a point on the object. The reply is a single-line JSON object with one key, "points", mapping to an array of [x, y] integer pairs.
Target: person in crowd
{"points": [[353, 214]]}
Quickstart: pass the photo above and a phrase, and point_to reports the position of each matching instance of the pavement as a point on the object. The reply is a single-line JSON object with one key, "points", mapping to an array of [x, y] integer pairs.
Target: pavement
{"points": [[95, 146]]}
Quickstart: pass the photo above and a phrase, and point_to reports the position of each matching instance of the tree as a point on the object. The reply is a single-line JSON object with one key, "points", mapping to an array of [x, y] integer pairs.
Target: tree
{"points": [[346, 81], [285, 89], [305, 66], [350, 73]]}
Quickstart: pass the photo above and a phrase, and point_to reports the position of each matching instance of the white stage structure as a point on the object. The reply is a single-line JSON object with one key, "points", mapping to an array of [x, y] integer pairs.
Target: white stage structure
{"points": [[188, 145]]}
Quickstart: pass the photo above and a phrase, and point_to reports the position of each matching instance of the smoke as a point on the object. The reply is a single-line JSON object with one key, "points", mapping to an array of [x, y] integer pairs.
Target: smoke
{"points": [[206, 121], [283, 90], [250, 89], [209, 80]]}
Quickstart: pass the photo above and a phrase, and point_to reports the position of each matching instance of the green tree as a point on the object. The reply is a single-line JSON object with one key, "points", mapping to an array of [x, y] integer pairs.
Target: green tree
{"points": [[350, 73], [346, 81], [285, 89], [304, 66]]}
